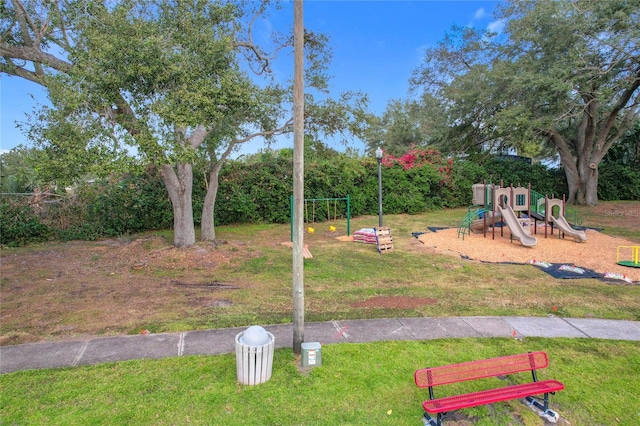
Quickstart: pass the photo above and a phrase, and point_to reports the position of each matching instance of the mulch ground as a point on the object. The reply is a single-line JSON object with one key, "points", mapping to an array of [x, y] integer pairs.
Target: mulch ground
{"points": [[597, 253]]}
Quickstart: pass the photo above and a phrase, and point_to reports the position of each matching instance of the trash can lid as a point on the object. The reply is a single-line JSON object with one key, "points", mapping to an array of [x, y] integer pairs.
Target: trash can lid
{"points": [[255, 336]]}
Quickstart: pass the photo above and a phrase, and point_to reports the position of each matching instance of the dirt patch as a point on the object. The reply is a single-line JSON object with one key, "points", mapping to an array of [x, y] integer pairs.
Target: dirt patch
{"points": [[68, 290], [211, 286], [393, 302]]}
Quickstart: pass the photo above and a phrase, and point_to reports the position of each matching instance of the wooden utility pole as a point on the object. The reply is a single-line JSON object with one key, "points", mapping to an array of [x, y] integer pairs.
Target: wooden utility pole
{"points": [[298, 176]]}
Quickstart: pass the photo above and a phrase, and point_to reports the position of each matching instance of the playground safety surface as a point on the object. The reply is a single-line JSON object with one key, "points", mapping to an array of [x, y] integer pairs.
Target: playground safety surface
{"points": [[598, 253]]}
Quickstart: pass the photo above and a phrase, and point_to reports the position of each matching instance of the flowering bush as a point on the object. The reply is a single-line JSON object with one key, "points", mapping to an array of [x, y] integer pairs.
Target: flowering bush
{"points": [[417, 157]]}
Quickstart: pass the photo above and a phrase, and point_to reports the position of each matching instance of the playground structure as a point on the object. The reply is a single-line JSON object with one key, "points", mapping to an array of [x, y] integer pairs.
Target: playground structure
{"points": [[493, 204], [317, 215], [561, 221], [634, 261]]}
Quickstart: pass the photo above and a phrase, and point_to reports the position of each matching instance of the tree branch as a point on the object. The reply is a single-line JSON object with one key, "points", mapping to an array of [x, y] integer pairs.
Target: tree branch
{"points": [[622, 102], [198, 136], [558, 141], [279, 131], [35, 55], [628, 122], [25, 22], [11, 69], [259, 55], [253, 49], [63, 29]]}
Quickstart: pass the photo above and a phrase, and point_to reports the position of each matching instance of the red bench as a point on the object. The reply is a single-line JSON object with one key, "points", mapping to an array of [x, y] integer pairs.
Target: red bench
{"points": [[436, 376]]}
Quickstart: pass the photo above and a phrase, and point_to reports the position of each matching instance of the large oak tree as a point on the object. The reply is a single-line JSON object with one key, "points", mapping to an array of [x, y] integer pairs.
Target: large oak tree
{"points": [[564, 73], [165, 82]]}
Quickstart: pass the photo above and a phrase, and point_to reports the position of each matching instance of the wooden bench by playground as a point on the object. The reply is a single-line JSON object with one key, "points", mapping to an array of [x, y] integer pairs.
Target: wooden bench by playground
{"points": [[436, 409]]}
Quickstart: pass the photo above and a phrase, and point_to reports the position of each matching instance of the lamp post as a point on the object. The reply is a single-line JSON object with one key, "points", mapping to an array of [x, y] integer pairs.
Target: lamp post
{"points": [[379, 158]]}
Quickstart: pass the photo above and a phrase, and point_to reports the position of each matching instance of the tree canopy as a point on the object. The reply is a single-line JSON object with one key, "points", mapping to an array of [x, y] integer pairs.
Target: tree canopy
{"points": [[398, 129], [563, 74], [161, 82]]}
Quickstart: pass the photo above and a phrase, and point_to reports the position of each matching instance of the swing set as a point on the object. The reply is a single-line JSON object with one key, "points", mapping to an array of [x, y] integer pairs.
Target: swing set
{"points": [[331, 219]]}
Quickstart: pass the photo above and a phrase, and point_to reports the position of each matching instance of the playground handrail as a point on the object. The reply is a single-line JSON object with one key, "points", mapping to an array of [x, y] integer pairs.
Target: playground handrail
{"points": [[538, 207], [534, 202], [465, 224], [572, 217]]}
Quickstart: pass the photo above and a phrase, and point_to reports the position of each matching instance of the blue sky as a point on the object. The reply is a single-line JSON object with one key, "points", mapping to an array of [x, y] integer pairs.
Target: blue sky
{"points": [[376, 46]]}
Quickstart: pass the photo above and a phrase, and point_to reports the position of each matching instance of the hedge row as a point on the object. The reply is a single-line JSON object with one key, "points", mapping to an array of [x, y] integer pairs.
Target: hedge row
{"points": [[259, 191]]}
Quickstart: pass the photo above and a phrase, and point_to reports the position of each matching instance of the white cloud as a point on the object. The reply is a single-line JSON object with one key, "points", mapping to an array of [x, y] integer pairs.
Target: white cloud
{"points": [[496, 26], [480, 13]]}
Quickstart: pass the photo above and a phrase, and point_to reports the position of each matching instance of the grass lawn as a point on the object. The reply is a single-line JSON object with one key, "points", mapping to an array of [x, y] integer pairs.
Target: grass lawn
{"points": [[357, 384], [109, 287], [66, 290]]}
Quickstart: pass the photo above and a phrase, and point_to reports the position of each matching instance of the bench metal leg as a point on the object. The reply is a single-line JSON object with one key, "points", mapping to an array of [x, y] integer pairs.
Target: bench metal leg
{"points": [[430, 421], [543, 406]]}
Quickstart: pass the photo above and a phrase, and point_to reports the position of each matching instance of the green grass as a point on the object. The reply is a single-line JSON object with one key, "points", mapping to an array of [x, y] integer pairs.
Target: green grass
{"points": [[340, 275], [613, 217], [357, 384]]}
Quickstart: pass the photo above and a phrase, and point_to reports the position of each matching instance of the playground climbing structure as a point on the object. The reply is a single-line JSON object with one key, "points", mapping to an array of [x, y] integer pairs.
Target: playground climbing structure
{"points": [[519, 209]]}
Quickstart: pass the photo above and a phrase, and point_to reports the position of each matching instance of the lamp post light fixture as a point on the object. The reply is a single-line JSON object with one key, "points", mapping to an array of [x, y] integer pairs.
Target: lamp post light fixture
{"points": [[379, 158]]}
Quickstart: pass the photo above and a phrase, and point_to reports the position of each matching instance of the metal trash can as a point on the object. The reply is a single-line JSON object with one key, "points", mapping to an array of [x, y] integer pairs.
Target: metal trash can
{"points": [[254, 355]]}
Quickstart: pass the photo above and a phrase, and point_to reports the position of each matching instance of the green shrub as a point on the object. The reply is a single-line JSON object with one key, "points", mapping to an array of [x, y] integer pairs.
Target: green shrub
{"points": [[254, 192], [128, 205], [259, 190], [619, 181], [465, 174], [520, 173], [84, 231], [20, 224]]}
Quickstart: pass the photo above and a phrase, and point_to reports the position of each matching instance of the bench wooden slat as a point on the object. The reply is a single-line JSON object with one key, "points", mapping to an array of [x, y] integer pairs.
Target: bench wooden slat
{"points": [[491, 396], [481, 369]]}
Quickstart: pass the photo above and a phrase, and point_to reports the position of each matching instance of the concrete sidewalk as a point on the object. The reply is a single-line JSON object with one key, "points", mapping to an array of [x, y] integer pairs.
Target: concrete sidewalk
{"points": [[96, 350]]}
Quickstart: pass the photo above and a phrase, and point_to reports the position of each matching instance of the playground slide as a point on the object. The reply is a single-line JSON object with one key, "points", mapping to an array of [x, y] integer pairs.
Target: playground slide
{"points": [[563, 225], [517, 230], [477, 226]]}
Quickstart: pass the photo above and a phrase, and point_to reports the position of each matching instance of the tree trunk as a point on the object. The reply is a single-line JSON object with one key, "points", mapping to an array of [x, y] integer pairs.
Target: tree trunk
{"points": [[207, 226], [583, 184], [591, 186], [179, 186], [573, 182], [573, 176]]}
